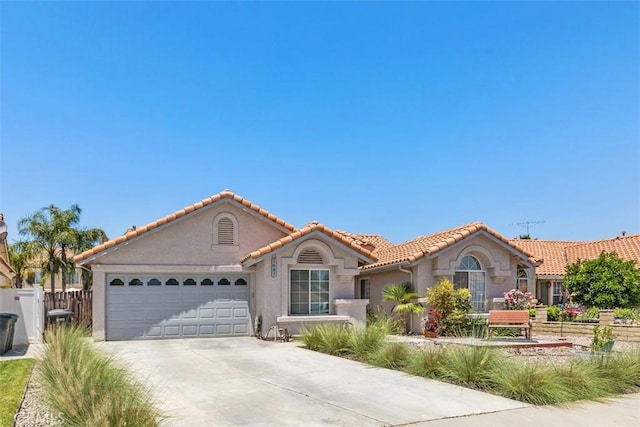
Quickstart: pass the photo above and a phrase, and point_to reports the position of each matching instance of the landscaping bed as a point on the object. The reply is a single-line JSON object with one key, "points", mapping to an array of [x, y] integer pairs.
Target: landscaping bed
{"points": [[14, 375]]}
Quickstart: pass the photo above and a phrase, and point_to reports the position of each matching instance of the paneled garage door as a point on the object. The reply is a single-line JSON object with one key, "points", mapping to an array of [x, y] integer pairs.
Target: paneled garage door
{"points": [[177, 306]]}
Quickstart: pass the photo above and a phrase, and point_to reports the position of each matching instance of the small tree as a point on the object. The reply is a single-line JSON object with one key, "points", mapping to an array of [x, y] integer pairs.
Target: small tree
{"points": [[604, 282], [20, 256], [402, 295]]}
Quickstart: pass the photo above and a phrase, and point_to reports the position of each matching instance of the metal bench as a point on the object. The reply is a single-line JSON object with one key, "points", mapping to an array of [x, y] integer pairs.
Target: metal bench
{"points": [[509, 319]]}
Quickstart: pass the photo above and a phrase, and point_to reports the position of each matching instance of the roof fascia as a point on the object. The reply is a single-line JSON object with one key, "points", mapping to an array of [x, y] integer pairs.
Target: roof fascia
{"points": [[314, 234]]}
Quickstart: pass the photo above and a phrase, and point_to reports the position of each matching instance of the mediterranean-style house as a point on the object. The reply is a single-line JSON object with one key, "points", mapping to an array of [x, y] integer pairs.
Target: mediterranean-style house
{"points": [[558, 254], [224, 266]]}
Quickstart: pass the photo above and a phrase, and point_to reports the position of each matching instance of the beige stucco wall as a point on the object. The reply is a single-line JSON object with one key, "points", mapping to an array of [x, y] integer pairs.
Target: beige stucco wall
{"points": [[499, 263], [272, 293], [185, 246]]}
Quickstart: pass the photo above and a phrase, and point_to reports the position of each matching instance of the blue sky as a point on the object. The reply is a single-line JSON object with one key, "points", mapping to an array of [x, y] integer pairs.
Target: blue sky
{"points": [[393, 118]]}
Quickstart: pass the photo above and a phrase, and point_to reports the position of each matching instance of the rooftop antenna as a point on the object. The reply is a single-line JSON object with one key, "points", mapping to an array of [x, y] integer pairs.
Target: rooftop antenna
{"points": [[527, 224]]}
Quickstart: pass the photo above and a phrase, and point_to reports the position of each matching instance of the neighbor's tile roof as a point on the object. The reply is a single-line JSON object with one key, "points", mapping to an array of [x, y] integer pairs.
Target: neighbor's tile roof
{"points": [[415, 249], [226, 194], [313, 226], [375, 241], [627, 247], [552, 253]]}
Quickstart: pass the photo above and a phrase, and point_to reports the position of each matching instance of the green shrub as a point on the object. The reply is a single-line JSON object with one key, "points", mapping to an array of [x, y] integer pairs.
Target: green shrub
{"points": [[554, 313], [88, 388], [471, 366], [581, 380], [531, 383], [393, 355], [425, 363], [626, 313], [330, 338], [532, 312], [452, 306], [621, 371], [603, 338]]}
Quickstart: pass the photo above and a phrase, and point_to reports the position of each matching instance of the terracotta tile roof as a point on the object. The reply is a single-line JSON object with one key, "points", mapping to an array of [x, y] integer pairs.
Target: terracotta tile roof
{"points": [[552, 253], [627, 247], [415, 249], [372, 242], [556, 254], [226, 194], [313, 226]]}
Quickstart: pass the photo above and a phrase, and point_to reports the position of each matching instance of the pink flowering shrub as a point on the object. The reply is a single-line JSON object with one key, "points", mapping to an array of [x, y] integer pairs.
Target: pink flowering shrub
{"points": [[518, 300]]}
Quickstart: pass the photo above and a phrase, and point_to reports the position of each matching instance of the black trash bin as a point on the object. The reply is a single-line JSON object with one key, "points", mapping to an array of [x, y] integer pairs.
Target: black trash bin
{"points": [[7, 329]]}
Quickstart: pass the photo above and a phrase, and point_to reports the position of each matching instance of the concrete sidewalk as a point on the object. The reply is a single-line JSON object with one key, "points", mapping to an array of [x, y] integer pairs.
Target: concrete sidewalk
{"points": [[622, 411]]}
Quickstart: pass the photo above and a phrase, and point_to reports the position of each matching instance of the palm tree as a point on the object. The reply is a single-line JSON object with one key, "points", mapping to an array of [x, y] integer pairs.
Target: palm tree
{"points": [[86, 239], [54, 233], [20, 257], [401, 294]]}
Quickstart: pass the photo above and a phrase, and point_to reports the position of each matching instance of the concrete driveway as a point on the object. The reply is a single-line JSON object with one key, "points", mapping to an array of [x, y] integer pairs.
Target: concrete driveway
{"points": [[244, 381]]}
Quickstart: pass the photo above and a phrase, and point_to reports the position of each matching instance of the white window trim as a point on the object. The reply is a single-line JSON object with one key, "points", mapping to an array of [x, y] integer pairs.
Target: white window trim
{"points": [[328, 302]]}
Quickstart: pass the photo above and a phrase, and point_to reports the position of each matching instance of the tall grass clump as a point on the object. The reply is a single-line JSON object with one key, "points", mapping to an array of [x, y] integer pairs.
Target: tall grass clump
{"points": [[425, 363], [88, 388], [363, 342], [581, 380], [620, 370], [531, 383], [471, 366], [393, 355], [327, 338]]}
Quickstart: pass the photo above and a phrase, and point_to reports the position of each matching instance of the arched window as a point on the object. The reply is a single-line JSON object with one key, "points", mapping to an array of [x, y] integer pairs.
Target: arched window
{"points": [[154, 282], [189, 282], [172, 282], [224, 282], [135, 282], [522, 283], [206, 282], [310, 256], [116, 282], [241, 282], [469, 275]]}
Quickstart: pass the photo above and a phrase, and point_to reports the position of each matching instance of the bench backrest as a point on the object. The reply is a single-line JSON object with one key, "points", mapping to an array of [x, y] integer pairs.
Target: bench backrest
{"points": [[508, 316]]}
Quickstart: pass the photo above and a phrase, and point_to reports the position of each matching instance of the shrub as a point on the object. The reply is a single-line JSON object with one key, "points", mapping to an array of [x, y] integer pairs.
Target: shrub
{"points": [[554, 313], [452, 306], [621, 371], [394, 355], [88, 388], [425, 363], [531, 383], [605, 282], [364, 342], [515, 299], [581, 381], [626, 313], [603, 338], [330, 338], [471, 366]]}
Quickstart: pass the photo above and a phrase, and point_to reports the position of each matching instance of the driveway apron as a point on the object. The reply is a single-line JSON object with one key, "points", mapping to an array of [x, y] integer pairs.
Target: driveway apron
{"points": [[244, 381]]}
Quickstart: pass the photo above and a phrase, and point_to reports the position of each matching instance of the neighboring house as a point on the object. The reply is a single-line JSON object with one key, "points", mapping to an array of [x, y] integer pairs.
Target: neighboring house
{"points": [[472, 256], [556, 255], [35, 278], [219, 267]]}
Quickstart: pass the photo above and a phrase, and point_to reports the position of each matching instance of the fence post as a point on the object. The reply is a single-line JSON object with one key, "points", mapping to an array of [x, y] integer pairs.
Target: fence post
{"points": [[606, 317]]}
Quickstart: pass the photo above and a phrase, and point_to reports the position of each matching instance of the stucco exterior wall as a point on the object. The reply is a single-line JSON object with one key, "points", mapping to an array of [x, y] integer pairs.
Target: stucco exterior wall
{"points": [[273, 292], [190, 241]]}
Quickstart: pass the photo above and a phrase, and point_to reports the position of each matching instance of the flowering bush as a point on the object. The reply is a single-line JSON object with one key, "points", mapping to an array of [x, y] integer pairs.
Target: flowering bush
{"points": [[430, 323], [515, 299]]}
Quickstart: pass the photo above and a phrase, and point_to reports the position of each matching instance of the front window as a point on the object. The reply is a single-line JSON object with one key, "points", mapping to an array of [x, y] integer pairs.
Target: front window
{"points": [[558, 292], [365, 289], [309, 291], [523, 281], [469, 275]]}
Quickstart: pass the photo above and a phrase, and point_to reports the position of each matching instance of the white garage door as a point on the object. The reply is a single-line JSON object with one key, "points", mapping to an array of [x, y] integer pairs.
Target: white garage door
{"points": [[177, 306]]}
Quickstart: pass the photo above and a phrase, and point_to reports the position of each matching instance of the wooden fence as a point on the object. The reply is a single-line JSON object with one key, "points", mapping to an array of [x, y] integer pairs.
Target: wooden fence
{"points": [[79, 302]]}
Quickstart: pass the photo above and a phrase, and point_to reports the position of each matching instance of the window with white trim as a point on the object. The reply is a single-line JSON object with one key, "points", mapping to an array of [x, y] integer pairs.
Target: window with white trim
{"points": [[469, 275], [523, 280], [309, 292], [558, 292]]}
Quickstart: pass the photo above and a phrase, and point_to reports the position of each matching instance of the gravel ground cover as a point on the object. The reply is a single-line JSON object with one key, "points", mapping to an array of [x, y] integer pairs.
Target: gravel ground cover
{"points": [[34, 411]]}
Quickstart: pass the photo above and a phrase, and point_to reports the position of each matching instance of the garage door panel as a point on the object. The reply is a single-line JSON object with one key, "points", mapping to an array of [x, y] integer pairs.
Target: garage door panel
{"points": [[147, 312]]}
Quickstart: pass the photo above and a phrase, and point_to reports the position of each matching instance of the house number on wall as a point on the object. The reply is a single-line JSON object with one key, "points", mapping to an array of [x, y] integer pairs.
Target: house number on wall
{"points": [[274, 267]]}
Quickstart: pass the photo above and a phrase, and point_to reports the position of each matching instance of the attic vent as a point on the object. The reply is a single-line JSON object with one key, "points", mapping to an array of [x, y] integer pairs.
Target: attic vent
{"points": [[310, 256], [225, 231]]}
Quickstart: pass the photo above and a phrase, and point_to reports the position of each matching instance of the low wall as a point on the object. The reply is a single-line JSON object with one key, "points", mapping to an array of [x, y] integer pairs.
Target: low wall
{"points": [[627, 333]]}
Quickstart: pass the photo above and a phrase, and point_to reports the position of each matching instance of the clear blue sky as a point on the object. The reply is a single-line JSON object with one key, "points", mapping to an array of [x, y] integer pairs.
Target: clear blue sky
{"points": [[381, 117]]}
